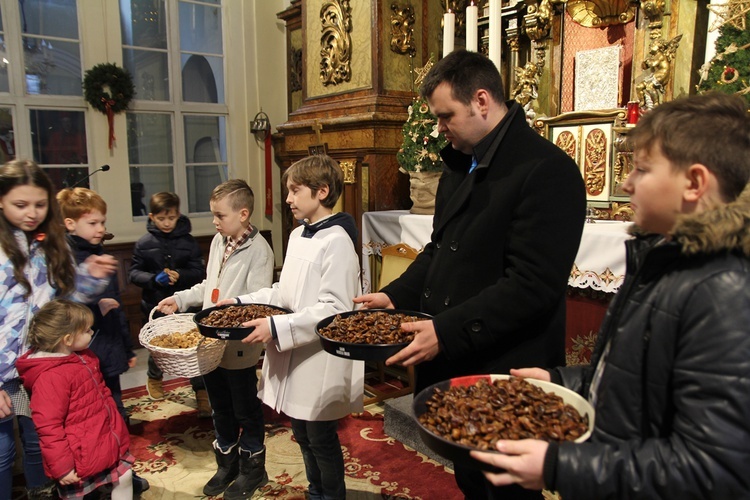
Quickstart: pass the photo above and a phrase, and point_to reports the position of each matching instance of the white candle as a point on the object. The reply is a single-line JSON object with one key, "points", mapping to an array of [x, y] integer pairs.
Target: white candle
{"points": [[496, 30], [472, 30], [449, 31]]}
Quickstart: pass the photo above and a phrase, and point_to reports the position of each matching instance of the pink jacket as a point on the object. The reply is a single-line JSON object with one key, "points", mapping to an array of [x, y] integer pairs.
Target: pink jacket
{"points": [[75, 416]]}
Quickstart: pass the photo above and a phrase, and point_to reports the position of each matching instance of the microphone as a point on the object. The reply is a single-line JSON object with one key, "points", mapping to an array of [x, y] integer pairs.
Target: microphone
{"points": [[103, 168]]}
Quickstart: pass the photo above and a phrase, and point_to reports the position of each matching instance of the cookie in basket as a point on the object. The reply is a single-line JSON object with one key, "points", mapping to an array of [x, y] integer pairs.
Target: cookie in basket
{"points": [[179, 340]]}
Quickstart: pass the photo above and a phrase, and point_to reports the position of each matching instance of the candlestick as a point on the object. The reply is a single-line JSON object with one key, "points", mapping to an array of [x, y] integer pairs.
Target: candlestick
{"points": [[496, 30], [449, 31], [472, 30]]}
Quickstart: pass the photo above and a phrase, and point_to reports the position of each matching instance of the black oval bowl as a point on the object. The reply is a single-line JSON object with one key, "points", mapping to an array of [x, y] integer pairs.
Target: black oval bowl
{"points": [[459, 453], [226, 333], [364, 352]]}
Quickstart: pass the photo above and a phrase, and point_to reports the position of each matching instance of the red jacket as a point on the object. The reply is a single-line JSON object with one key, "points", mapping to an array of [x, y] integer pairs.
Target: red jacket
{"points": [[74, 413]]}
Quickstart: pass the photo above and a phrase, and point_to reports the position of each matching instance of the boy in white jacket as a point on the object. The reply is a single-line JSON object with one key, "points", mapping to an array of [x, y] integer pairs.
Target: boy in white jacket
{"points": [[239, 261], [319, 279]]}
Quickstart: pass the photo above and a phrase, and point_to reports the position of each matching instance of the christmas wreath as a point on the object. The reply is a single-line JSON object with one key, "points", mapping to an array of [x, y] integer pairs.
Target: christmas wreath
{"points": [[121, 88], [121, 91]]}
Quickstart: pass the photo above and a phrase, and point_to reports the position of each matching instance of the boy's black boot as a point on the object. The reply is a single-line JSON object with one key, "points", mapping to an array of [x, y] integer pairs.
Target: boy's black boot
{"points": [[229, 468], [252, 475]]}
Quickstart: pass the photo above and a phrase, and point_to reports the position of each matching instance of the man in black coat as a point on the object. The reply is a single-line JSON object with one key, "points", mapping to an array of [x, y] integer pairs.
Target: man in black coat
{"points": [[508, 220]]}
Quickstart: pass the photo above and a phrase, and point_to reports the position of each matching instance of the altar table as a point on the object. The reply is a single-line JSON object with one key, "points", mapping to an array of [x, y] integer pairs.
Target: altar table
{"points": [[599, 264]]}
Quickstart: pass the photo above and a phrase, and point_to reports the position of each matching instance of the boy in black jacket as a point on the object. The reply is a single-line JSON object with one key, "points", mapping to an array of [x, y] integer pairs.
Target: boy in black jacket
{"points": [[167, 259]]}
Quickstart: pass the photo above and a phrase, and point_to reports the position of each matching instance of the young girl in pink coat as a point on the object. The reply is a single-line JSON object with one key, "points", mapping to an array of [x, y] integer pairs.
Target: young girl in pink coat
{"points": [[83, 437]]}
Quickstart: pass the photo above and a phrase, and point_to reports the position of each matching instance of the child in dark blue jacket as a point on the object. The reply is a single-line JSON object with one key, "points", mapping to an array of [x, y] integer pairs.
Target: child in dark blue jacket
{"points": [[167, 259]]}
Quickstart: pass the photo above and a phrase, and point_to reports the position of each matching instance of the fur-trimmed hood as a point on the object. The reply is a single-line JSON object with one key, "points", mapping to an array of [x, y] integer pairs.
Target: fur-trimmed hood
{"points": [[725, 228]]}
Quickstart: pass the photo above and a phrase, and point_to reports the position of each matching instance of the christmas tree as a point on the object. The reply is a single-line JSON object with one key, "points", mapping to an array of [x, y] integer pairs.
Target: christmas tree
{"points": [[729, 70], [420, 150]]}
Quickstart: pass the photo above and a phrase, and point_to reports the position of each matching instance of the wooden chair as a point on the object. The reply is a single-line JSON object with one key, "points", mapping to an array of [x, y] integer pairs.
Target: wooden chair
{"points": [[395, 259]]}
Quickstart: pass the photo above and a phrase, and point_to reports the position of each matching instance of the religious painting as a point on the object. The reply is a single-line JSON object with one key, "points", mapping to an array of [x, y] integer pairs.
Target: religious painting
{"points": [[587, 137]]}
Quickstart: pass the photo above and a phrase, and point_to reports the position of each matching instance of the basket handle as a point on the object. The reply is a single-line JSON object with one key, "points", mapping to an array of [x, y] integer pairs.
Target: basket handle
{"points": [[151, 314]]}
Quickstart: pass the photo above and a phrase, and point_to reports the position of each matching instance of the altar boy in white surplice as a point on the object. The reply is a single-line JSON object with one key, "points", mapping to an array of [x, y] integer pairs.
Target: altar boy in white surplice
{"points": [[319, 279]]}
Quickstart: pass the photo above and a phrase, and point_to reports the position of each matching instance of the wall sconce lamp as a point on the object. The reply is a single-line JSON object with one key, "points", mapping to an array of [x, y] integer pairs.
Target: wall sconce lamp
{"points": [[261, 126]]}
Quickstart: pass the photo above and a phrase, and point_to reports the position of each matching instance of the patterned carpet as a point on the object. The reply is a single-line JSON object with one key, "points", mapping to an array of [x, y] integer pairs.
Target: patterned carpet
{"points": [[174, 453]]}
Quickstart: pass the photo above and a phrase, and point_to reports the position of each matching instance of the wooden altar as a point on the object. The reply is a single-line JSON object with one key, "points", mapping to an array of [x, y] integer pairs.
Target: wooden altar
{"points": [[352, 69], [357, 118]]}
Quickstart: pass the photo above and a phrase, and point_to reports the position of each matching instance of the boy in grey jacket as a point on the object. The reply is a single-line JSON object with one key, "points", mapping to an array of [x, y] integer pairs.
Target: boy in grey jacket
{"points": [[240, 261]]}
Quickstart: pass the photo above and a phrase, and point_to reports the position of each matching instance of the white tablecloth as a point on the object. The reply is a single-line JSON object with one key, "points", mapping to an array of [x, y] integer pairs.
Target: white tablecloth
{"points": [[599, 264]]}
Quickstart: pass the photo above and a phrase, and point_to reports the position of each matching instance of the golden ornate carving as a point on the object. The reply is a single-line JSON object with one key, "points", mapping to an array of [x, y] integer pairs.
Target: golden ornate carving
{"points": [[538, 19], [601, 13], [595, 162], [514, 43], [402, 30], [622, 212], [653, 10], [620, 170], [335, 43], [623, 164], [349, 168], [295, 69], [526, 90], [658, 71], [568, 143]]}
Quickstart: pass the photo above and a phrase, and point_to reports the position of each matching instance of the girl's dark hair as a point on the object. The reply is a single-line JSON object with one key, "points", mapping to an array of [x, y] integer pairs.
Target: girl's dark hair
{"points": [[60, 266]]}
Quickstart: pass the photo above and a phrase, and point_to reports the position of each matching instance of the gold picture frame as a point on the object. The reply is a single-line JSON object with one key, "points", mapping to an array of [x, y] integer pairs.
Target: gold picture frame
{"points": [[592, 139]]}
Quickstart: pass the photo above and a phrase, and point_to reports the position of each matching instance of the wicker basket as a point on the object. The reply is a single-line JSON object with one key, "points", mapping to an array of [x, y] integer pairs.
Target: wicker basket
{"points": [[190, 362]]}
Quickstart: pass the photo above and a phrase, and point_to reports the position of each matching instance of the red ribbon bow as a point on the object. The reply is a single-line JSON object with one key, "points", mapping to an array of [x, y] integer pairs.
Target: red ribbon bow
{"points": [[108, 103]]}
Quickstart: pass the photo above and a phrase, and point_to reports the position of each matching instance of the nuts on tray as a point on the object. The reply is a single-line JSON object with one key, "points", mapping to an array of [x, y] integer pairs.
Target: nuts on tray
{"points": [[480, 414], [234, 316], [179, 340], [370, 328]]}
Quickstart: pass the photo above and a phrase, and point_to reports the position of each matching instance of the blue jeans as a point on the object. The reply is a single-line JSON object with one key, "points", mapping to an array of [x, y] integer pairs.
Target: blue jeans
{"points": [[233, 395], [324, 461], [32, 456]]}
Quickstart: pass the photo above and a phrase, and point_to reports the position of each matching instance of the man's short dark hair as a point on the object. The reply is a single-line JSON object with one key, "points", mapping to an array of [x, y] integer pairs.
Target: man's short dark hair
{"points": [[466, 72]]}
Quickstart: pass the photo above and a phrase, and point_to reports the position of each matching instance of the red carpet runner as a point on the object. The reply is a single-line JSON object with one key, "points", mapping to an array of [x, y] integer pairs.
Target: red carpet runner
{"points": [[173, 448]]}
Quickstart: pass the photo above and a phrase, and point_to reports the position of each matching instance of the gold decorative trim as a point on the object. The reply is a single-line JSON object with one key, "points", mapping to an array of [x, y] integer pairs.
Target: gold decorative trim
{"points": [[601, 13], [542, 124], [402, 30], [349, 168], [595, 162], [654, 12], [538, 19], [336, 42]]}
